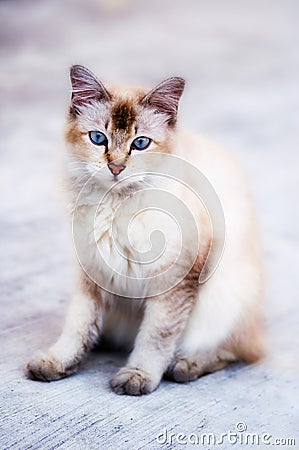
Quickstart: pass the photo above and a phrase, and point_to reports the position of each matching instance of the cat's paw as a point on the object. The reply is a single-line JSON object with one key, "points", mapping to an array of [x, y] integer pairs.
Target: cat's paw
{"points": [[45, 367], [183, 370], [133, 381]]}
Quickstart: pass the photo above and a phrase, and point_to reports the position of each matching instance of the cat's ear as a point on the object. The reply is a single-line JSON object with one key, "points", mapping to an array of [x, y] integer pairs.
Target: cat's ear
{"points": [[165, 98], [86, 88]]}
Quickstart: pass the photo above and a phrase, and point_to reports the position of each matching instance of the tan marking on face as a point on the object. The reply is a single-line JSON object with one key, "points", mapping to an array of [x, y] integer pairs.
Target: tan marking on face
{"points": [[74, 137]]}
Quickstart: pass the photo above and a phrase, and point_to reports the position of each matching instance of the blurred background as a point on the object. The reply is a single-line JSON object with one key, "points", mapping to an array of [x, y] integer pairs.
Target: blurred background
{"points": [[241, 63]]}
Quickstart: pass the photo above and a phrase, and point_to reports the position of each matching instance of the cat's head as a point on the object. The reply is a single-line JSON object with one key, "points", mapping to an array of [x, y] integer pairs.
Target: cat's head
{"points": [[107, 126]]}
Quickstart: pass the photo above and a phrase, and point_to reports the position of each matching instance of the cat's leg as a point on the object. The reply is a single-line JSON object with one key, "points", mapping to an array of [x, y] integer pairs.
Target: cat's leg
{"points": [[185, 368], [164, 319], [246, 344], [225, 325], [80, 332]]}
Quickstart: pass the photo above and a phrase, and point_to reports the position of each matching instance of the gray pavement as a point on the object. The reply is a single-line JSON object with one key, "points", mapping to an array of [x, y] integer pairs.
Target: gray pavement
{"points": [[241, 62]]}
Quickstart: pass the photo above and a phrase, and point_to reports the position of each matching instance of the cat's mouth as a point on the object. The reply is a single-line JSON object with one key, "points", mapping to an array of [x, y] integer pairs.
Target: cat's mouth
{"points": [[115, 178]]}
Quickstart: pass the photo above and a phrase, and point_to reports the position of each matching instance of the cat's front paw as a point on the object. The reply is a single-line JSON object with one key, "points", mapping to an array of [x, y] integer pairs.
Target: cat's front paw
{"points": [[45, 367], [133, 381]]}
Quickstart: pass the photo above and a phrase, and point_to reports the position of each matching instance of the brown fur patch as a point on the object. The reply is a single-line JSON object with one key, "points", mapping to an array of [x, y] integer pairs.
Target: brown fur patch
{"points": [[90, 287], [73, 136], [123, 116]]}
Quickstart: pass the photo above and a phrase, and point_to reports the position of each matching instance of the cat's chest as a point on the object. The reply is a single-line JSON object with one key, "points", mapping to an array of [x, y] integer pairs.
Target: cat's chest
{"points": [[131, 240], [137, 239], [134, 247]]}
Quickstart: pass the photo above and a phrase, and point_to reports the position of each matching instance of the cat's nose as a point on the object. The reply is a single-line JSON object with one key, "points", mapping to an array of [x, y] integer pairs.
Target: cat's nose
{"points": [[115, 169]]}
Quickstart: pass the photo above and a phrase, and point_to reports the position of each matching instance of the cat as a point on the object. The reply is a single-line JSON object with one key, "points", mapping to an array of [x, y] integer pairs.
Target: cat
{"points": [[177, 329]]}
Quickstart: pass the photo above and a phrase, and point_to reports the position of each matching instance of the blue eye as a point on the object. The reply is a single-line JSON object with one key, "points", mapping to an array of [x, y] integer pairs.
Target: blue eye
{"points": [[97, 138], [141, 143]]}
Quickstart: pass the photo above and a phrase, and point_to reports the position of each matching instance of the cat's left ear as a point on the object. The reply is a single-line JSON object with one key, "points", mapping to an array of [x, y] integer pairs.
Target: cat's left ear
{"points": [[86, 88], [165, 98]]}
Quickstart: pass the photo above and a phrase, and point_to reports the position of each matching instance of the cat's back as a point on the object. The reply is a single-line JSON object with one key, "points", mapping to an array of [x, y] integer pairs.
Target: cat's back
{"points": [[219, 166], [213, 159]]}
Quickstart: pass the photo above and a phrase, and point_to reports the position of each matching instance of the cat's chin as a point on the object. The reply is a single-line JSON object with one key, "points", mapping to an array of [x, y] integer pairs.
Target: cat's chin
{"points": [[123, 184]]}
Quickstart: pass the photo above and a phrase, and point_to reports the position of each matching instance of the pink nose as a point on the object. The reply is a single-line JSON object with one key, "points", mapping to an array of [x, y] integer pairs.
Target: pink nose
{"points": [[115, 169]]}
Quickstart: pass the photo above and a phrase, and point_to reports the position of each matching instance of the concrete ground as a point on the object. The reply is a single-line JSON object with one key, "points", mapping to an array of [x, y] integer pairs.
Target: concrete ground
{"points": [[242, 66]]}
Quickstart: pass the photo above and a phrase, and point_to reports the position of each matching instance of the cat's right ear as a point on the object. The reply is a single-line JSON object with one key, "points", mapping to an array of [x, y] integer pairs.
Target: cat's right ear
{"points": [[86, 88]]}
